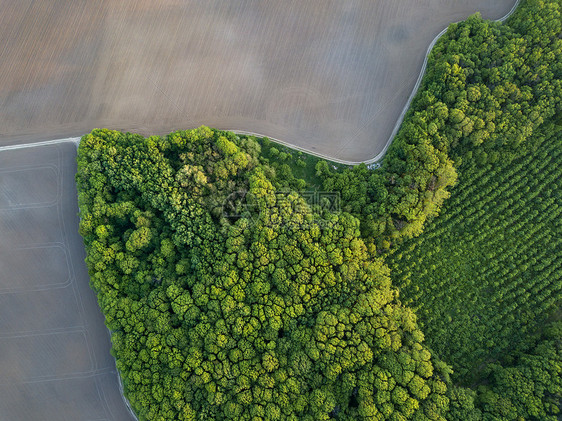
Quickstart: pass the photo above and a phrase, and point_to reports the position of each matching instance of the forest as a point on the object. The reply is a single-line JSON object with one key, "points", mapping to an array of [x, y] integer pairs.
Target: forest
{"points": [[275, 312], [431, 292]]}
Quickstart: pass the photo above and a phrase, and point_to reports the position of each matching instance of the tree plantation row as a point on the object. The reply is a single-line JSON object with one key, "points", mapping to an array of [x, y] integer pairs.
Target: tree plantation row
{"points": [[487, 273]]}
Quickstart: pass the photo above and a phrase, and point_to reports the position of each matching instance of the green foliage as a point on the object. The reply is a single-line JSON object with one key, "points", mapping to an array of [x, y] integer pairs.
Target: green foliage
{"points": [[272, 313], [488, 86], [527, 387], [531, 386], [294, 169], [488, 271], [486, 274]]}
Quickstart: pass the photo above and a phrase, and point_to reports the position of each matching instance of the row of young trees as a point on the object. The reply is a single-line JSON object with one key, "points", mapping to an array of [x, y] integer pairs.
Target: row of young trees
{"points": [[488, 271], [487, 274]]}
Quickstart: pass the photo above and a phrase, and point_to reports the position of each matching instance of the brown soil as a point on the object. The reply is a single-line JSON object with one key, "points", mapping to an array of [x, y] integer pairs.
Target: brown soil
{"points": [[330, 76]]}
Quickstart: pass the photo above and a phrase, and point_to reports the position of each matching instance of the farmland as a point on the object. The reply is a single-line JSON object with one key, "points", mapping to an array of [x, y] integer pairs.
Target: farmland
{"points": [[328, 76], [55, 361]]}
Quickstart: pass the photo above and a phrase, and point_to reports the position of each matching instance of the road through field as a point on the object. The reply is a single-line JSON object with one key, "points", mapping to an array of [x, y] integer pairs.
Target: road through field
{"points": [[327, 76], [55, 362]]}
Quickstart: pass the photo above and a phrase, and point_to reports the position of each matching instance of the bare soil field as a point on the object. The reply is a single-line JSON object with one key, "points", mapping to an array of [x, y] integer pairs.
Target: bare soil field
{"points": [[329, 76], [55, 362]]}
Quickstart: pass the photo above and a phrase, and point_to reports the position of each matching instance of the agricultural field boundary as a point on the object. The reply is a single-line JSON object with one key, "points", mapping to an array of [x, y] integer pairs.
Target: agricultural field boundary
{"points": [[75, 140], [373, 160], [380, 155]]}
